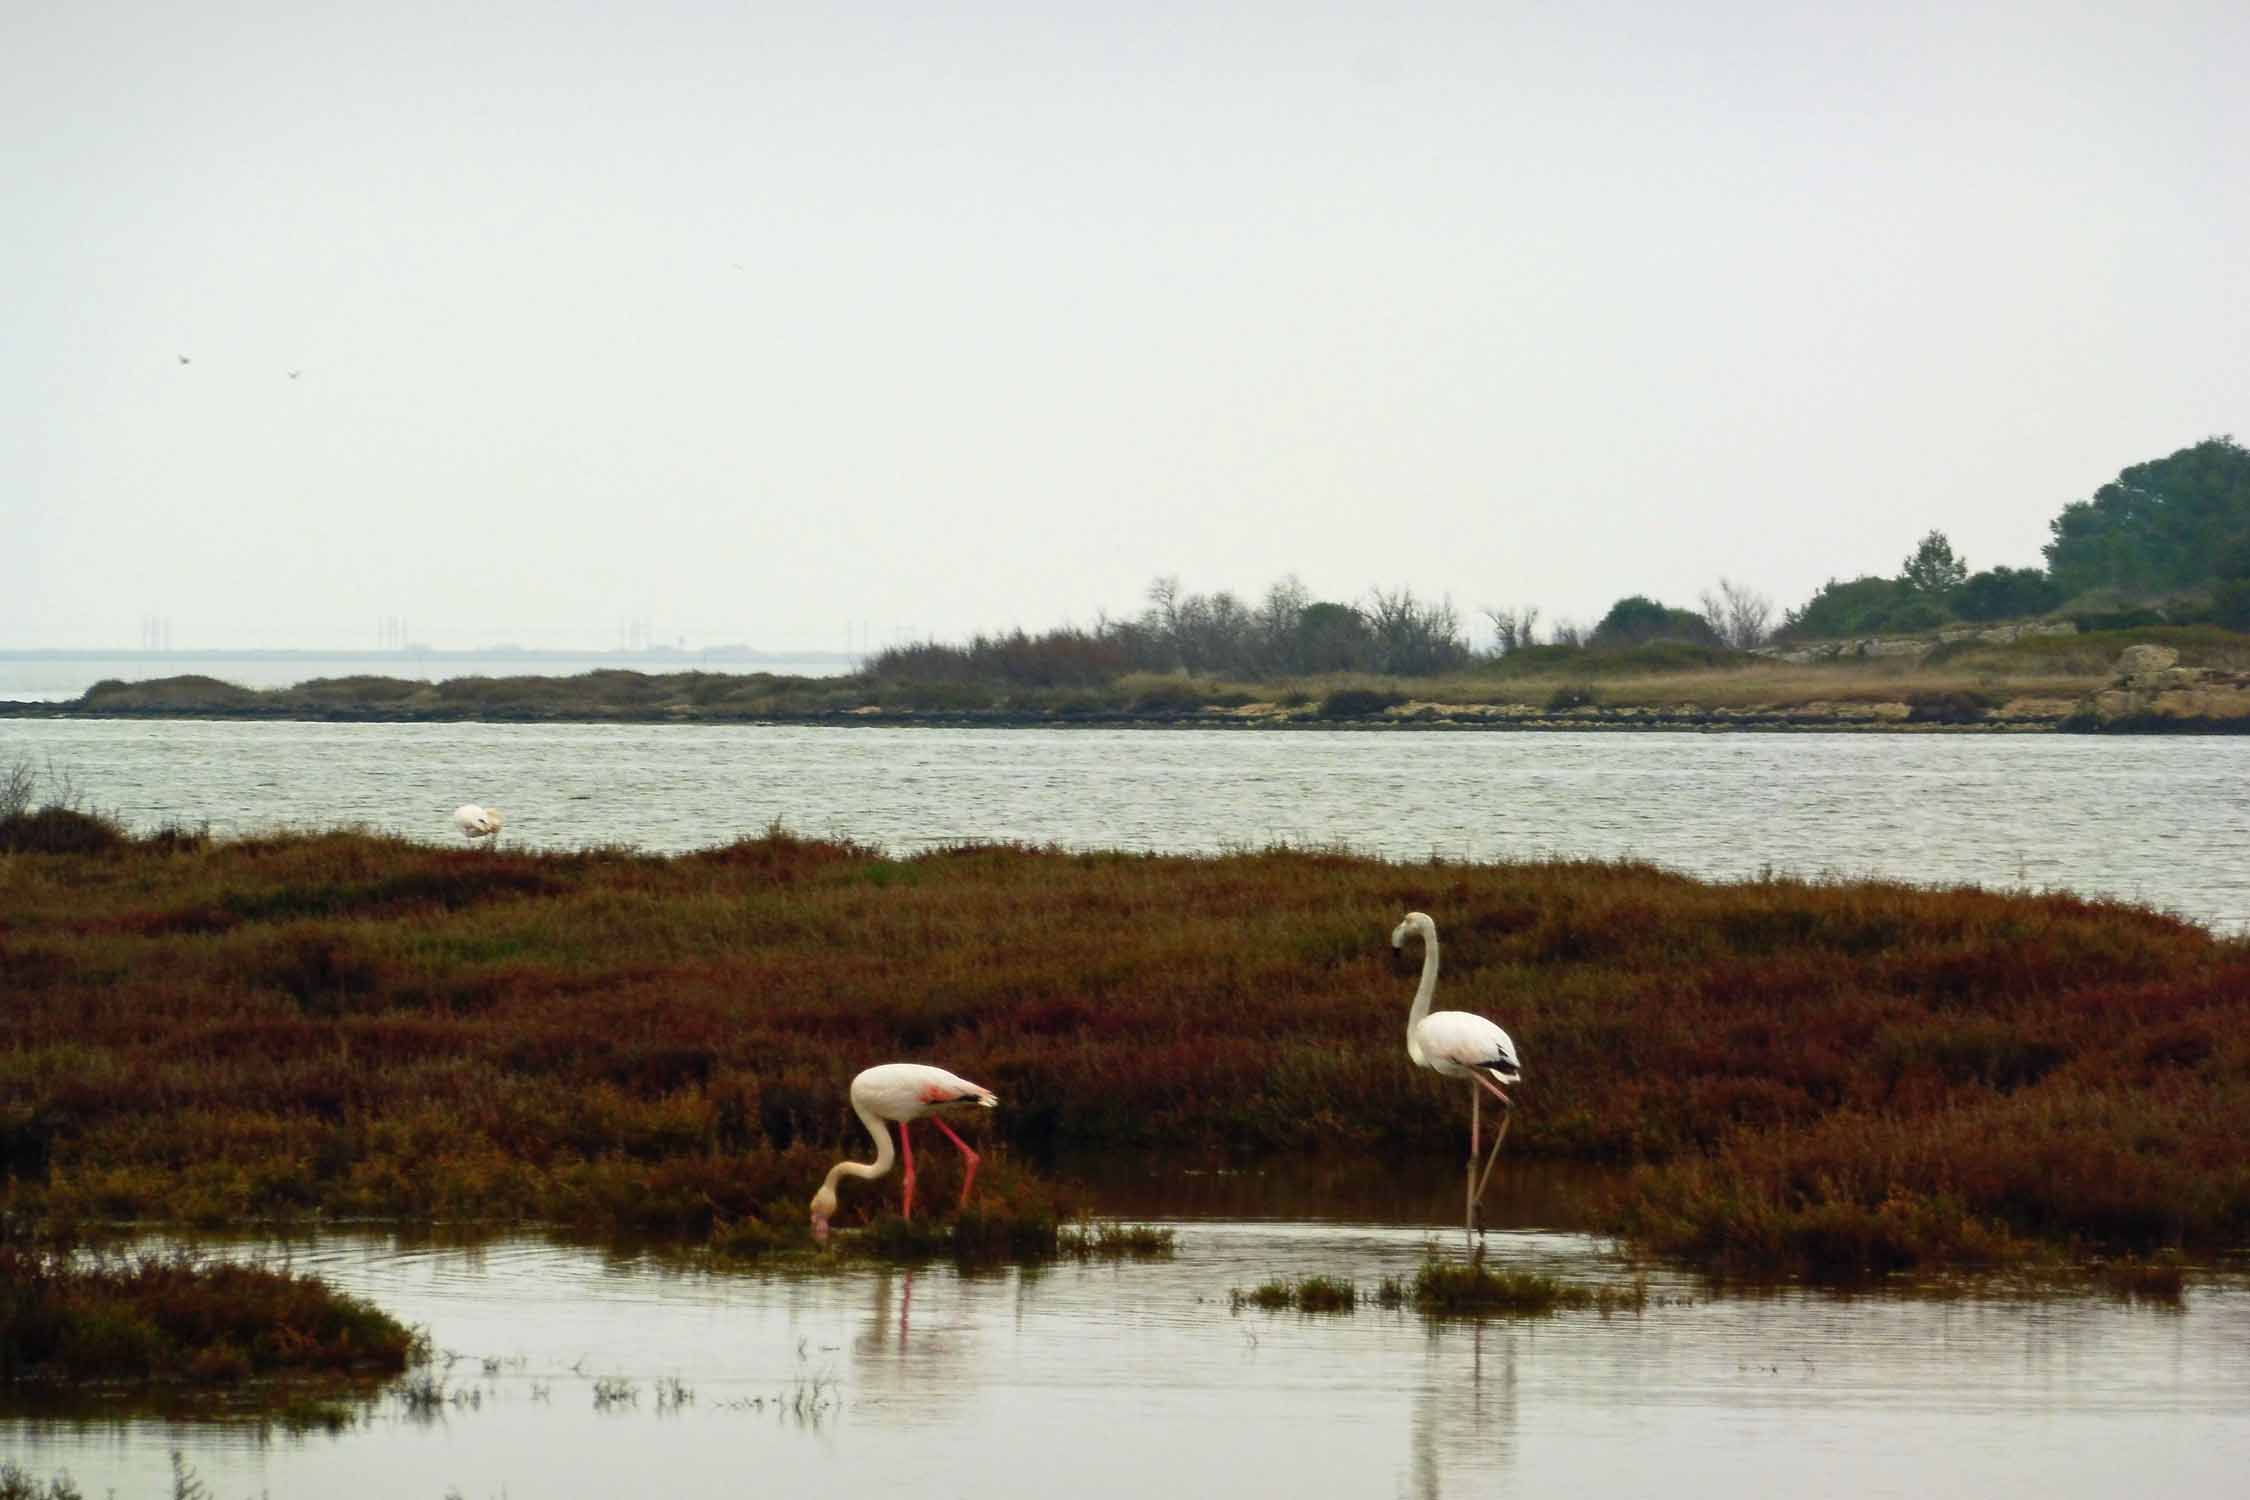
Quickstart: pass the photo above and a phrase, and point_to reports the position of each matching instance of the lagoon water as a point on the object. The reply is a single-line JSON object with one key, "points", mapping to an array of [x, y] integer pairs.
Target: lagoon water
{"points": [[2164, 821], [1137, 1378]]}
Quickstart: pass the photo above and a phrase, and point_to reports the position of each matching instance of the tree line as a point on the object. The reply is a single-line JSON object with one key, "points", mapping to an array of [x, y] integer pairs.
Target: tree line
{"points": [[2174, 531]]}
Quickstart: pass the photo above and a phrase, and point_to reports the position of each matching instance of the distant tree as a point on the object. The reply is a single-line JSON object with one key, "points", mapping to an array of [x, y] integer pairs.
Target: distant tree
{"points": [[1414, 637], [2005, 594], [1212, 633], [1636, 619], [1333, 638], [1932, 569], [1737, 614], [1514, 627], [2157, 526], [2230, 601], [1864, 606], [1275, 626]]}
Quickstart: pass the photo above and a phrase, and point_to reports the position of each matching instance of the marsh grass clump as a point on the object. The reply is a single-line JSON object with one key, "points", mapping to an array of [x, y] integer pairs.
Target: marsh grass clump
{"points": [[1270, 1296], [1326, 1294], [1312, 1294], [976, 1235], [180, 1318], [1452, 1287], [1109, 1240]]}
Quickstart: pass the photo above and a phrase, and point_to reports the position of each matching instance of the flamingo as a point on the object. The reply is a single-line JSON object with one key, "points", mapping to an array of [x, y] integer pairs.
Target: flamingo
{"points": [[1456, 1044], [903, 1092], [478, 822]]}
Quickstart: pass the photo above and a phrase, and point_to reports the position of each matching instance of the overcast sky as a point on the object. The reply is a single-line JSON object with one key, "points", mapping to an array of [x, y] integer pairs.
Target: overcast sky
{"points": [[778, 323]]}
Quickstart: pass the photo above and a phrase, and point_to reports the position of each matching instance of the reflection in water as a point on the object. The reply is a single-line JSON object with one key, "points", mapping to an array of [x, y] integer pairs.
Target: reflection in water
{"points": [[1464, 1420]]}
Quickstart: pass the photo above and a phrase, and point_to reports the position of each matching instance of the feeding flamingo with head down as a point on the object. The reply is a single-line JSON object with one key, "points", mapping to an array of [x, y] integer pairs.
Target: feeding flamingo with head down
{"points": [[1456, 1044], [478, 822], [904, 1092]]}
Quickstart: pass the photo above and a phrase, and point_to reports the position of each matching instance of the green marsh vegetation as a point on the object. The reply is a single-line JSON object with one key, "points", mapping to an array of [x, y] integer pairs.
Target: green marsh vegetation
{"points": [[1444, 1285], [1448, 1286], [1808, 1077], [1312, 1294]]}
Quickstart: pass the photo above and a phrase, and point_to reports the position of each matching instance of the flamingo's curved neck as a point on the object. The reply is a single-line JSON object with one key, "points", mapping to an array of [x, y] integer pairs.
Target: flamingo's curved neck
{"points": [[885, 1154], [1423, 994]]}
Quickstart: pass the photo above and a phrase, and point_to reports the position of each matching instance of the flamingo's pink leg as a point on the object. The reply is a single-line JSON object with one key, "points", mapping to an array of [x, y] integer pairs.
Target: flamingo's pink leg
{"points": [[1469, 1181], [1494, 1158], [1507, 1116], [906, 1145], [971, 1178]]}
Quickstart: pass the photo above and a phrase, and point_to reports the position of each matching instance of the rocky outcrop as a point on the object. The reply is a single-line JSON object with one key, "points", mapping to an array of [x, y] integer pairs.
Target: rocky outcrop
{"points": [[2151, 691], [1914, 647]]}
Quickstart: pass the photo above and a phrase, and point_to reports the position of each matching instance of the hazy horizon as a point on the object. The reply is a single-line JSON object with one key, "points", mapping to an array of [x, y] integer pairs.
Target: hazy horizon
{"points": [[816, 331]]}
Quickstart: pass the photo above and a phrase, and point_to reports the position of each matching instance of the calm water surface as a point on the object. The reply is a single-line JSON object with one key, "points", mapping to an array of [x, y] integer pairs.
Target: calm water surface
{"points": [[2161, 821], [1128, 1380]]}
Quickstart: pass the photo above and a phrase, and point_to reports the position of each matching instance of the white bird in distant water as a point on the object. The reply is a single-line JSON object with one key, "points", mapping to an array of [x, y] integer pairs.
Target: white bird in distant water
{"points": [[478, 822], [1456, 1044], [903, 1092]]}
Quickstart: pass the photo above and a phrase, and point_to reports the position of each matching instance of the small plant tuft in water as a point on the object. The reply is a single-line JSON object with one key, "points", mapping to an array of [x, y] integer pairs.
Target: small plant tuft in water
{"points": [[612, 1391], [185, 1484], [1087, 1240], [1307, 1294], [17, 1483], [1326, 1294], [1272, 1296], [1444, 1286]]}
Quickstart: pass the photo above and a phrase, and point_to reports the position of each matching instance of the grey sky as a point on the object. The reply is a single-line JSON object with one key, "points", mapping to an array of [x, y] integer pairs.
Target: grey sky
{"points": [[754, 321]]}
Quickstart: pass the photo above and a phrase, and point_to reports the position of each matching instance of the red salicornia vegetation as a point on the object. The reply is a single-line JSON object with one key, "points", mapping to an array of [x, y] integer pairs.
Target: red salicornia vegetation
{"points": [[65, 1317], [1827, 1075]]}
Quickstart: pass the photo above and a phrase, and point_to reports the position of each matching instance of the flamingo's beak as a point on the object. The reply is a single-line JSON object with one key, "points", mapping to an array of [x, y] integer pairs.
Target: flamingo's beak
{"points": [[820, 1229]]}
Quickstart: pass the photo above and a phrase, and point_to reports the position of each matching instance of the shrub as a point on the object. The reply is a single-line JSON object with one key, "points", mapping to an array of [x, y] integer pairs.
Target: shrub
{"points": [[2230, 604], [60, 830], [1569, 696], [1359, 703], [1956, 706], [2005, 594], [1637, 619]]}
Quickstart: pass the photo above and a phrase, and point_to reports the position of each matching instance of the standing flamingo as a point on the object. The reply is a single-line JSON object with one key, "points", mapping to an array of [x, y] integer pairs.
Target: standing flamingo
{"points": [[903, 1092], [1455, 1044], [478, 822]]}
